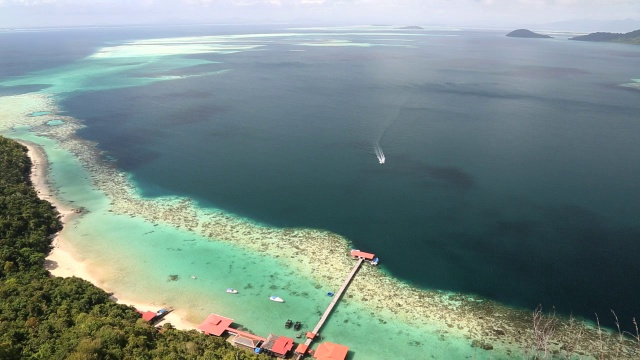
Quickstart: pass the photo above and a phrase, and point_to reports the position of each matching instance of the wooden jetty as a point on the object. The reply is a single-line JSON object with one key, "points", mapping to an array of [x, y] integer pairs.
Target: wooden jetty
{"points": [[336, 297], [281, 346], [311, 335]]}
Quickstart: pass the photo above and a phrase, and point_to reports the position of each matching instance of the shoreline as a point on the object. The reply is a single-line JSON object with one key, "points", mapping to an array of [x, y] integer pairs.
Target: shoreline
{"points": [[62, 261], [459, 316], [478, 323]]}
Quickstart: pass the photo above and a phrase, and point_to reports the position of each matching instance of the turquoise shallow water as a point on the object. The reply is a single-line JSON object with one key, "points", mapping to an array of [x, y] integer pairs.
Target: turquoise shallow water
{"points": [[135, 257], [469, 195]]}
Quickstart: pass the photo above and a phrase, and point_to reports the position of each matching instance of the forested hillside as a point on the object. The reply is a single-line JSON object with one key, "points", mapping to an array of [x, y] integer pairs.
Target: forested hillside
{"points": [[628, 38], [42, 317]]}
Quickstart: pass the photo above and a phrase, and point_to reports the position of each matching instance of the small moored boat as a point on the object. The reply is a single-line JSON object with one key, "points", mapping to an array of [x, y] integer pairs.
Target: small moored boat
{"points": [[232, 291], [288, 324], [275, 298]]}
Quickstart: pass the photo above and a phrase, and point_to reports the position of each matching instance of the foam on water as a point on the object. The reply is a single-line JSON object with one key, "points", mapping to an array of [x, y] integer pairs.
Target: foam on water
{"points": [[634, 85]]}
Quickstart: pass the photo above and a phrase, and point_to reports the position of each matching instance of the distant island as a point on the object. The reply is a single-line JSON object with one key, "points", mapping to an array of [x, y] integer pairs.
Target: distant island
{"points": [[524, 33], [628, 38], [412, 27]]}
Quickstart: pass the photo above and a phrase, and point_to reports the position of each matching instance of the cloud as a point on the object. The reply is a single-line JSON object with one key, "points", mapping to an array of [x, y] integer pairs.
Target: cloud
{"points": [[402, 12]]}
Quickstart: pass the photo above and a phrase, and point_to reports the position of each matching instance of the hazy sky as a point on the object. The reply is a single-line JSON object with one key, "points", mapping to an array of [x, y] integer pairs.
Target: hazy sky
{"points": [[507, 13]]}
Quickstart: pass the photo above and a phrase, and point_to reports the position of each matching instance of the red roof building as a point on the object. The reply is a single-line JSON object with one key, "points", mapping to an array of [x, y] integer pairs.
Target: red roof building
{"points": [[282, 346], [215, 325], [301, 349], [278, 345], [148, 315], [362, 254], [245, 334], [331, 351], [246, 342]]}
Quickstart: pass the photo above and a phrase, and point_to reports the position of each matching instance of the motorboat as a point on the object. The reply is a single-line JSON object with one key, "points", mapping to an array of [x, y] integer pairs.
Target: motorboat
{"points": [[288, 324], [275, 298], [232, 291]]}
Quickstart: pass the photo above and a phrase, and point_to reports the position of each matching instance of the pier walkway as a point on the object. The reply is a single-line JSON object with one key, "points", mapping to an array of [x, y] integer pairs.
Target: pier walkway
{"points": [[335, 300]]}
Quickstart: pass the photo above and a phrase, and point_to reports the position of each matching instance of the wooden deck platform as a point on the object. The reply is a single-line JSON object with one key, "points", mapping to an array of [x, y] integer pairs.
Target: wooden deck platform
{"points": [[336, 298]]}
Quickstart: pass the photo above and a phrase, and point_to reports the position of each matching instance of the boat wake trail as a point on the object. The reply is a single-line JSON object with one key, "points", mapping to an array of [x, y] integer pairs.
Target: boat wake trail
{"points": [[376, 146], [371, 129], [378, 150]]}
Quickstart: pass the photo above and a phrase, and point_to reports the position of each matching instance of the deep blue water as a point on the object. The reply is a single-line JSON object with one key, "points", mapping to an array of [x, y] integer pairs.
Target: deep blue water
{"points": [[512, 164]]}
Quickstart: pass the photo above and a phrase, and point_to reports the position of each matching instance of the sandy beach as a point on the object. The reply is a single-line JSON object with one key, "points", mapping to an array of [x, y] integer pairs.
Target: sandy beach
{"points": [[62, 261]]}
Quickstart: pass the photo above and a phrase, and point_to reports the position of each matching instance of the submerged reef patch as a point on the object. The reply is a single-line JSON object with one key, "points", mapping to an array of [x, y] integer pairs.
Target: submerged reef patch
{"points": [[323, 257]]}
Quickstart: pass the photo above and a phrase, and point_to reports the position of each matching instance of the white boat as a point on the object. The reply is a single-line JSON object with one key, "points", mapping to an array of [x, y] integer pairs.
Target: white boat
{"points": [[379, 154], [276, 298], [232, 291]]}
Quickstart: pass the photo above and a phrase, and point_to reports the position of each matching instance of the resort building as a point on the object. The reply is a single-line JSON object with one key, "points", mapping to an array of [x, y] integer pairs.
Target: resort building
{"points": [[154, 316], [331, 351], [215, 325], [247, 343], [369, 257], [279, 346], [148, 316]]}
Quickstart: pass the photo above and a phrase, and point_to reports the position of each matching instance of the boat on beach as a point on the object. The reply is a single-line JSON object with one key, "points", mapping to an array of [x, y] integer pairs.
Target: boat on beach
{"points": [[275, 298], [232, 291]]}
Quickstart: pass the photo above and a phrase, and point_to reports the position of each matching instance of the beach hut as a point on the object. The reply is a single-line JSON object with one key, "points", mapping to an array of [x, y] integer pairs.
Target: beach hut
{"points": [[357, 254], [279, 346], [301, 349], [148, 316], [245, 342], [331, 351], [215, 325]]}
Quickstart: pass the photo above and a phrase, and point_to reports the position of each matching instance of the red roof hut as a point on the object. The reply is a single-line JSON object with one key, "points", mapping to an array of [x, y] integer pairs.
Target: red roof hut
{"points": [[362, 254], [215, 325], [148, 315], [278, 345], [331, 351]]}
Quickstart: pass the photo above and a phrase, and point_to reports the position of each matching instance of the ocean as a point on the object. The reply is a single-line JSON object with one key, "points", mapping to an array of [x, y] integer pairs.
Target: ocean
{"points": [[511, 166]]}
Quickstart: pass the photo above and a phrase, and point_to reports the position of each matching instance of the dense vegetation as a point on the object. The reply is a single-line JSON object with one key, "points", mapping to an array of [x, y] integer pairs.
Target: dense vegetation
{"points": [[42, 317], [524, 33], [628, 38]]}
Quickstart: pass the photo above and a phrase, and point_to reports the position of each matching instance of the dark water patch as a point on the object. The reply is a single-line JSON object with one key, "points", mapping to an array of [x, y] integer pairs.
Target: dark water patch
{"points": [[521, 191], [187, 71], [471, 89], [451, 176], [133, 63], [428, 175], [548, 71], [227, 131], [185, 94], [471, 64], [624, 54], [21, 89], [558, 256]]}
